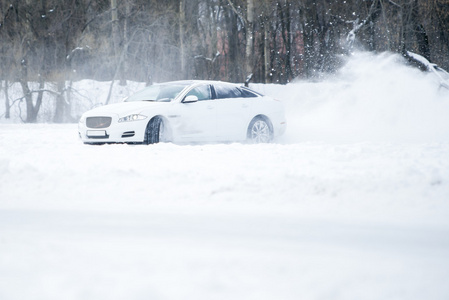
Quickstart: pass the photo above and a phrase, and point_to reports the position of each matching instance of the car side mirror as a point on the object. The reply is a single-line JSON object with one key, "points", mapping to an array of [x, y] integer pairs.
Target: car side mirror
{"points": [[190, 99]]}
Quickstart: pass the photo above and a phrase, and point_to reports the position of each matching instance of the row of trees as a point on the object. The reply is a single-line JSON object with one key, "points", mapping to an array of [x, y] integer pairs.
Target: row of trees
{"points": [[149, 40]]}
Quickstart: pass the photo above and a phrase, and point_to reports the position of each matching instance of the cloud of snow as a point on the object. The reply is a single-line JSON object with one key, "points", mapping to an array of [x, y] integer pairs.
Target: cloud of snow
{"points": [[372, 98]]}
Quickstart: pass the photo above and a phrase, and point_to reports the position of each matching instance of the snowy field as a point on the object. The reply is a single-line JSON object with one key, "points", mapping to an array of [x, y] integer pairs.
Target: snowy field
{"points": [[352, 203]]}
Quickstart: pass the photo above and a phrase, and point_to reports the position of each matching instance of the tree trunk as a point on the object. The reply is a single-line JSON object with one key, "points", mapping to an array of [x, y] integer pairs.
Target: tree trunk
{"points": [[420, 33], [126, 34], [284, 13], [117, 40], [308, 14], [266, 54], [249, 37], [181, 36], [31, 114], [233, 40], [7, 108], [40, 96], [61, 105]]}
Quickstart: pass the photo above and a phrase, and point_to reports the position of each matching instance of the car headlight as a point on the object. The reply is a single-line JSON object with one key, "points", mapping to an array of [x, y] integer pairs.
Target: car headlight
{"points": [[133, 117]]}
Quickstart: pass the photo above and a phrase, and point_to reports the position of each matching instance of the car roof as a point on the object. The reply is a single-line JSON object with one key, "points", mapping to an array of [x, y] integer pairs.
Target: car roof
{"points": [[192, 82]]}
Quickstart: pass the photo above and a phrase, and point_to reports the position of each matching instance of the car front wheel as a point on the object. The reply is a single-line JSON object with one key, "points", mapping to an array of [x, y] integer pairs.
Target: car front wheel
{"points": [[154, 131], [259, 131]]}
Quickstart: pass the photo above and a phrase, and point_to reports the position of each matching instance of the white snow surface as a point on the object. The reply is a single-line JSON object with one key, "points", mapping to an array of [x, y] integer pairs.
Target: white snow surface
{"points": [[352, 203]]}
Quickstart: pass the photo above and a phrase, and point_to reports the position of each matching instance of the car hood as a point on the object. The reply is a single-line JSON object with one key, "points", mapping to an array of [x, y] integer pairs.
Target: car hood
{"points": [[125, 108]]}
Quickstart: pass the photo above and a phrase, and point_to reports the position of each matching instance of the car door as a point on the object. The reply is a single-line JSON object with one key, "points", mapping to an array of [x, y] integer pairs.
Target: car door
{"points": [[197, 120], [234, 112]]}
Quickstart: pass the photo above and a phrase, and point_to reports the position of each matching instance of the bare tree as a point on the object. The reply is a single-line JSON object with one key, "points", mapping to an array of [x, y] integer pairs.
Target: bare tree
{"points": [[45, 41]]}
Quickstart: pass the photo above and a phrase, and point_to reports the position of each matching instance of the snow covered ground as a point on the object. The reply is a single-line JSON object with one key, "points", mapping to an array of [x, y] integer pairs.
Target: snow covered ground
{"points": [[352, 203]]}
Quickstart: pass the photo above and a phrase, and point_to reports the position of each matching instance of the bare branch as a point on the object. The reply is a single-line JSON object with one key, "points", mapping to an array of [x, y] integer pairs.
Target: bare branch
{"points": [[373, 14], [394, 3], [245, 21]]}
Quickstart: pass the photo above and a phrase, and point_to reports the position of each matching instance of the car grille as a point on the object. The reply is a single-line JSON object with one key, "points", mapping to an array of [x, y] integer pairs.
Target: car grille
{"points": [[98, 122]]}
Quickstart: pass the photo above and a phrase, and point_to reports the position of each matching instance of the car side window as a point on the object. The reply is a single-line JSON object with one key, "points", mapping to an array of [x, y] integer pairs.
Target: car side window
{"points": [[222, 92], [248, 94], [202, 92]]}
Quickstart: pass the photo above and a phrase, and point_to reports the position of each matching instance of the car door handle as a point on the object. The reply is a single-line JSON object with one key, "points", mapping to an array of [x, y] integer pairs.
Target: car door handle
{"points": [[244, 105], [210, 107]]}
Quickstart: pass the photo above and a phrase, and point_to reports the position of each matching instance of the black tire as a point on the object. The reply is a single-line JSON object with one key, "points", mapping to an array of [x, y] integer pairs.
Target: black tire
{"points": [[153, 131], [260, 131]]}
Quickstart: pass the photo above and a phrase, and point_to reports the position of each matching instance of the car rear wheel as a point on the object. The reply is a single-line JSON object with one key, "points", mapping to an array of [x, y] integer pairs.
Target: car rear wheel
{"points": [[259, 131], [154, 131]]}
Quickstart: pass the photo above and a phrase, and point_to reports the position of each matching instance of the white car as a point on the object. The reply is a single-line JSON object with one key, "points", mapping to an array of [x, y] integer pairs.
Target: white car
{"points": [[184, 112]]}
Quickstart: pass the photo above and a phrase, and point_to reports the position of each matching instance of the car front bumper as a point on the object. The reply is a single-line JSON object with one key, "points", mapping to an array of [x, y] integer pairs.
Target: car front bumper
{"points": [[124, 132]]}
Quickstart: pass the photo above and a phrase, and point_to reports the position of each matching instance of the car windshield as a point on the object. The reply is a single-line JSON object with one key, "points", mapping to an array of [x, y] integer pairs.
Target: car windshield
{"points": [[159, 93]]}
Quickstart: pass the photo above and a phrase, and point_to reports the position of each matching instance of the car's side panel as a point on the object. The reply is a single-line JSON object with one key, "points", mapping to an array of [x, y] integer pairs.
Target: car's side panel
{"points": [[192, 122], [233, 115]]}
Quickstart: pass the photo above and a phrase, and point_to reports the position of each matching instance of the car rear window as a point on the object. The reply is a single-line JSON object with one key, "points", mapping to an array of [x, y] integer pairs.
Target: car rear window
{"points": [[223, 91], [249, 94]]}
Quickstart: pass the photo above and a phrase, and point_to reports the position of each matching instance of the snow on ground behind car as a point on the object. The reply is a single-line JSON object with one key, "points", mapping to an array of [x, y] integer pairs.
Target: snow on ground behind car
{"points": [[326, 212]]}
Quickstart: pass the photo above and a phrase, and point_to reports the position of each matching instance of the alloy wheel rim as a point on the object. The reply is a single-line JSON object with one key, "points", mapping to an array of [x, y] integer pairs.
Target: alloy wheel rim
{"points": [[260, 132]]}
